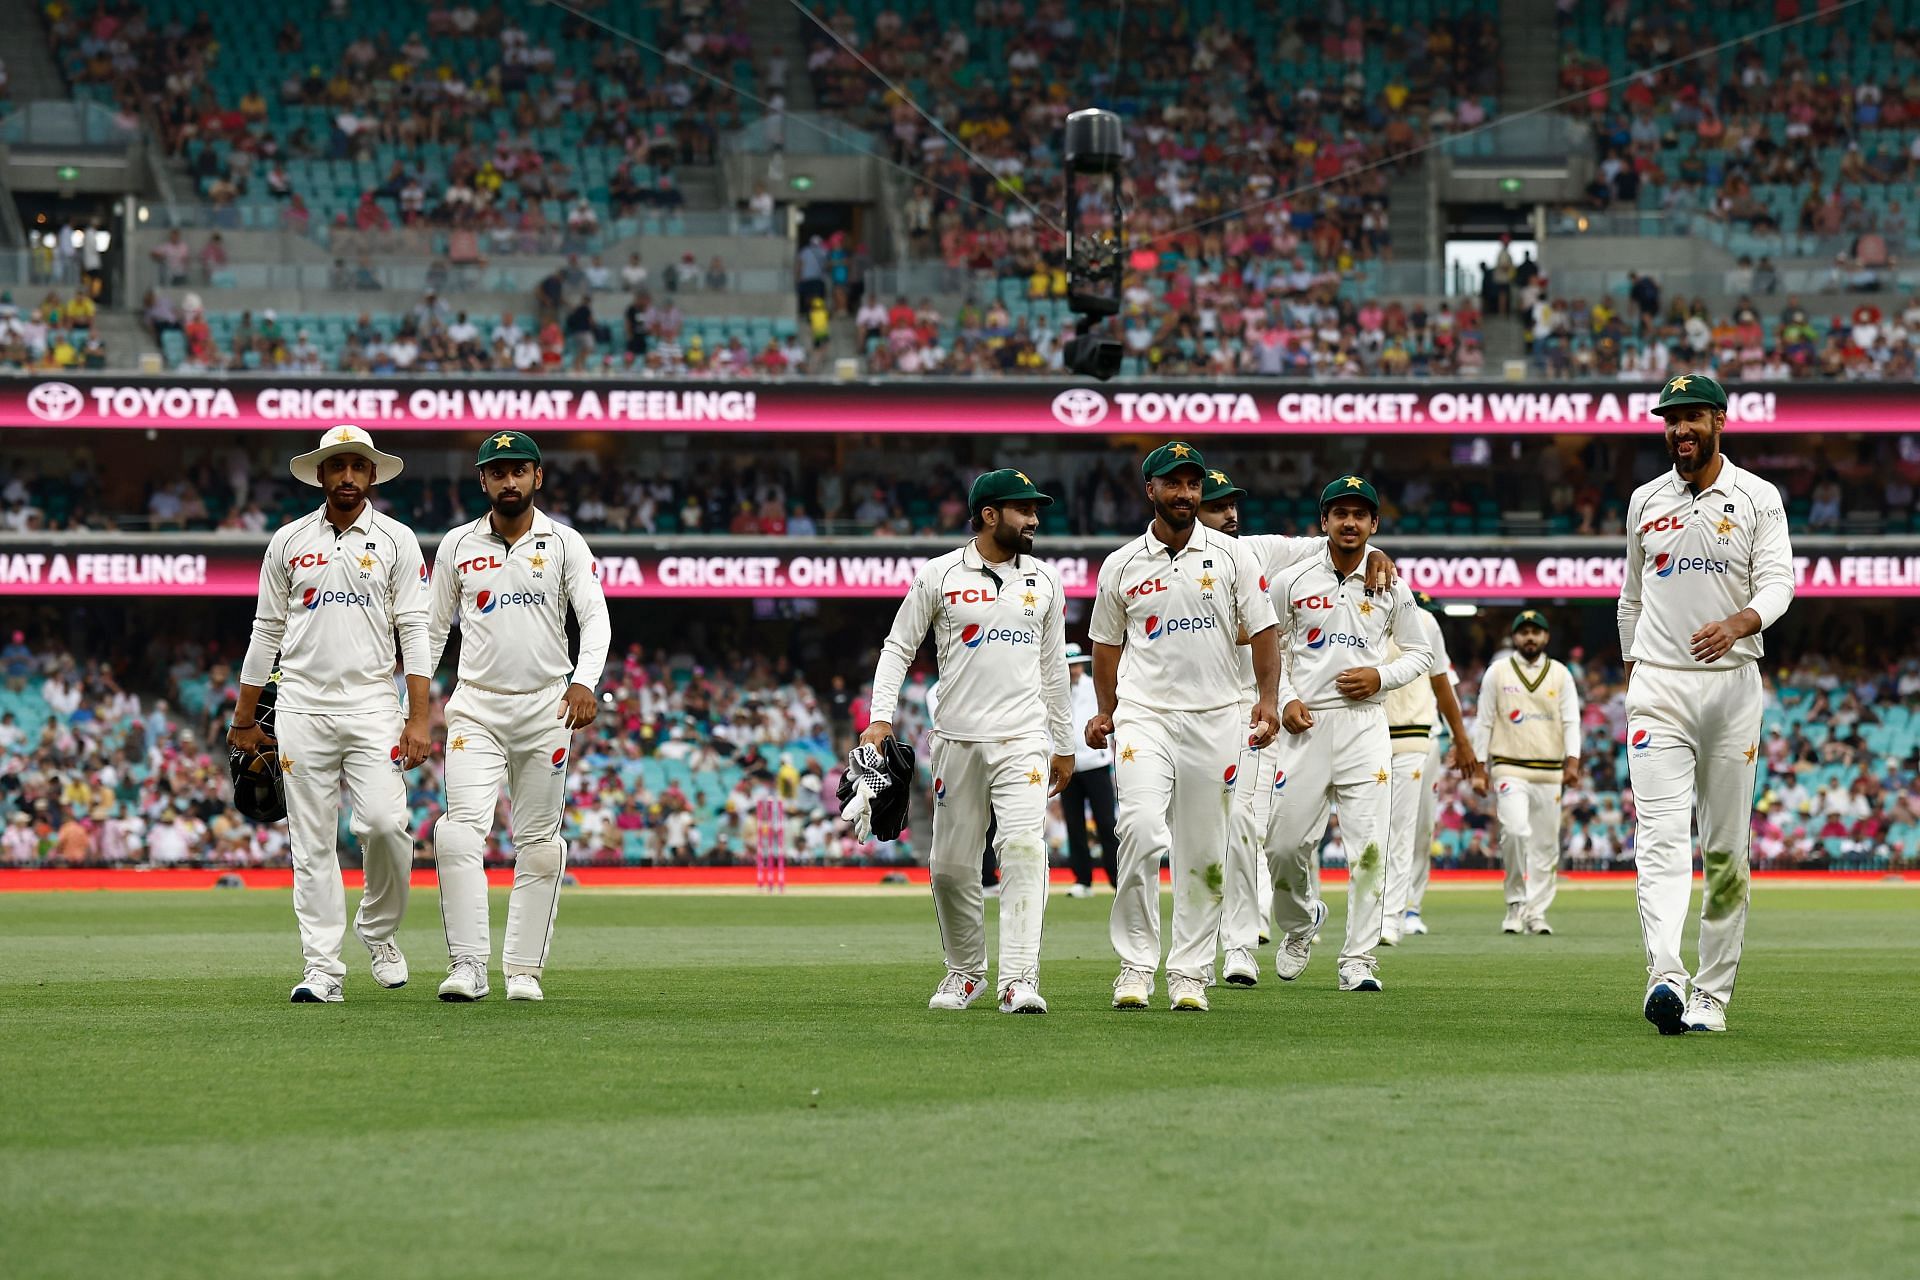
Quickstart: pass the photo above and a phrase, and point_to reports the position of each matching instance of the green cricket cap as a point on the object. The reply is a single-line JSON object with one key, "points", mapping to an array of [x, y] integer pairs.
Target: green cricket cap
{"points": [[1171, 456], [1530, 618], [1690, 388], [1217, 486], [1349, 487], [507, 445], [1428, 603], [1004, 485]]}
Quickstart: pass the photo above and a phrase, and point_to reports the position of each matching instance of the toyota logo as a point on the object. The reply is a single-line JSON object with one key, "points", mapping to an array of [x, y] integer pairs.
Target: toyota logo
{"points": [[1079, 407], [59, 401]]}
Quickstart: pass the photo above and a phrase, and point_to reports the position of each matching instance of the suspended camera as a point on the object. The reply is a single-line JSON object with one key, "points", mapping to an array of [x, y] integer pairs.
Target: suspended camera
{"points": [[1096, 261]]}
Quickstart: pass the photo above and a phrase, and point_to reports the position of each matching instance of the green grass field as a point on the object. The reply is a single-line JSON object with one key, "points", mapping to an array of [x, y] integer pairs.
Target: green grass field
{"points": [[736, 1086]]}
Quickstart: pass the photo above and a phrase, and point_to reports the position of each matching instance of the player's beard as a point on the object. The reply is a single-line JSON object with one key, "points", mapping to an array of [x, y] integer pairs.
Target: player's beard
{"points": [[1708, 448], [1013, 541], [339, 500], [1173, 519], [511, 508], [1530, 654]]}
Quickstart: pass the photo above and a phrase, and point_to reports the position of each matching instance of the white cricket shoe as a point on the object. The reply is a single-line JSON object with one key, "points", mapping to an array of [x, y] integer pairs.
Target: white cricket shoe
{"points": [[1297, 948], [1512, 923], [1538, 925], [1665, 1008], [389, 966], [1186, 995], [956, 992], [524, 986], [1412, 924], [1389, 934], [1704, 1013], [1132, 989], [466, 981], [1241, 969], [317, 986], [1358, 975], [1078, 890], [1020, 996]]}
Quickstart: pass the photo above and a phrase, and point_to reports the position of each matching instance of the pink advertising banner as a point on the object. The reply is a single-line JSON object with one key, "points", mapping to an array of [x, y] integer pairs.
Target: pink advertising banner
{"points": [[1037, 407], [722, 575]]}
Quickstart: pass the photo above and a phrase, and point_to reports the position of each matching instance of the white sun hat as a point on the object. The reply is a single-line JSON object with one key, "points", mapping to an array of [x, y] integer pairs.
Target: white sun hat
{"points": [[344, 439]]}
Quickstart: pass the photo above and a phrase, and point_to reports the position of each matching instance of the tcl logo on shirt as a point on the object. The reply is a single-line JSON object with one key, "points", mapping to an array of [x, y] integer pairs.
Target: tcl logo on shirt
{"points": [[314, 598], [973, 635], [309, 560], [478, 563], [972, 595], [1663, 524], [1158, 626], [1314, 602], [487, 601], [1666, 565], [1146, 588]]}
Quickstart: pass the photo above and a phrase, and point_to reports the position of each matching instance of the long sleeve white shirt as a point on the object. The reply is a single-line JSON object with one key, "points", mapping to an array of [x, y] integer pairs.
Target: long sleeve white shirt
{"points": [[330, 603], [1179, 615], [1694, 558], [1000, 641], [511, 604], [1328, 624], [1506, 700]]}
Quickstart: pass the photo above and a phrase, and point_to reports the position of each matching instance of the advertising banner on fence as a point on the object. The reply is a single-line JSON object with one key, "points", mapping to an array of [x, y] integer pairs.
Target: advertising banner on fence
{"points": [[723, 575], [289, 403]]}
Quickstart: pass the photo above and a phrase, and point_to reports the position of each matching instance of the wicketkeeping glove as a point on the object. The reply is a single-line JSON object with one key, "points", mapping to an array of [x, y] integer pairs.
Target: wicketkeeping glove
{"points": [[867, 773]]}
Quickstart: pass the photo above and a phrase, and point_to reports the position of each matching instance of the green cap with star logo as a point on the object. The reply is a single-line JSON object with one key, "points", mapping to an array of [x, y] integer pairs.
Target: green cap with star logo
{"points": [[1349, 487], [1428, 603], [1217, 486], [1530, 618], [1004, 485], [1690, 388], [1171, 456], [503, 446]]}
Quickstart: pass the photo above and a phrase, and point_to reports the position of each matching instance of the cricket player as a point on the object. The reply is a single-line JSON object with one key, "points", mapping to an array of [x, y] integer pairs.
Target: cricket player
{"points": [[1171, 610], [1002, 733], [509, 580], [1410, 722], [1527, 723], [335, 586], [1709, 567], [1247, 892], [1336, 748]]}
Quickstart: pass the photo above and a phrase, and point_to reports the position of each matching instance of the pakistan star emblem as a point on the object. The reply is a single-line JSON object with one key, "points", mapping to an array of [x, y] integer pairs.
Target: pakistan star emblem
{"points": [[1218, 477], [1679, 383], [1366, 608], [1178, 450], [504, 440], [1416, 775], [458, 744], [538, 561], [1354, 482], [1751, 752], [366, 562], [1033, 777], [344, 436], [1126, 755], [286, 764], [1023, 477], [1381, 777], [1206, 582], [1027, 599], [1725, 526]]}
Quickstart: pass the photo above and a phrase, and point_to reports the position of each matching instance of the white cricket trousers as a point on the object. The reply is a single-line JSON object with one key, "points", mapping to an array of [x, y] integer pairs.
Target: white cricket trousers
{"points": [[1412, 781], [1247, 892], [1529, 814], [1344, 759], [316, 751], [1693, 738], [1423, 827], [974, 783], [1174, 775], [519, 739]]}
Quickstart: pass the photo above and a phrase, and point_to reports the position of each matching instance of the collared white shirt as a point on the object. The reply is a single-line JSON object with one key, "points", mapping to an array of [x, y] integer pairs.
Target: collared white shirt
{"points": [[1000, 641], [330, 602], [1694, 558], [1328, 624], [1179, 615], [511, 603]]}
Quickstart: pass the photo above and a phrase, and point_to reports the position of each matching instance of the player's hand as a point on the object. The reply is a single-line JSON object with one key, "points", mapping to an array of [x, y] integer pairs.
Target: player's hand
{"points": [[253, 740], [1296, 719], [578, 708], [1711, 642], [1570, 774], [1381, 571], [876, 733], [1357, 684], [1479, 781], [1099, 729], [415, 743], [1466, 763], [1059, 774], [1265, 722]]}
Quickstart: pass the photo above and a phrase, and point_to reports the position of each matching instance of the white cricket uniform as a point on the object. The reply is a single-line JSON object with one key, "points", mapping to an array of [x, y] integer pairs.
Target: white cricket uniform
{"points": [[1328, 624], [1693, 729], [1000, 640], [1247, 890], [330, 603], [1525, 725], [1412, 712], [504, 721], [1179, 729]]}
